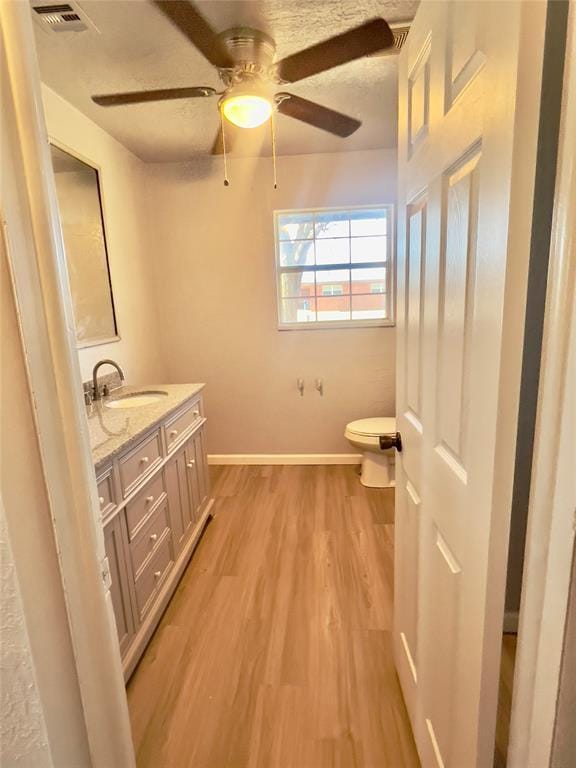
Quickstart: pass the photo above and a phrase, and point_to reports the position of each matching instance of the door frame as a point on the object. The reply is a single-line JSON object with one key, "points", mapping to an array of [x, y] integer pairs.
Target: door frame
{"points": [[552, 505], [45, 313]]}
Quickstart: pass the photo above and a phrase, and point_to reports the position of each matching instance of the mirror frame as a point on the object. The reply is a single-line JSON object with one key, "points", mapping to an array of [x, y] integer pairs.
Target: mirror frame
{"points": [[53, 141]]}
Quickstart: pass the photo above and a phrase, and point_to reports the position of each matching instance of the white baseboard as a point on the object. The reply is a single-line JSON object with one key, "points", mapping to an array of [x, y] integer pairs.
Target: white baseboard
{"points": [[511, 621], [284, 458]]}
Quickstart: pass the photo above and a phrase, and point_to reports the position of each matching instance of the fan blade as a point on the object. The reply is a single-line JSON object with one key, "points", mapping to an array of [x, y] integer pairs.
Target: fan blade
{"points": [[137, 97], [317, 115], [369, 38], [195, 27]]}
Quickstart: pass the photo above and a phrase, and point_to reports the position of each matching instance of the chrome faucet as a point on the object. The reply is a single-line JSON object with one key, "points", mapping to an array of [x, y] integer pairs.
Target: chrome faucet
{"points": [[95, 390]]}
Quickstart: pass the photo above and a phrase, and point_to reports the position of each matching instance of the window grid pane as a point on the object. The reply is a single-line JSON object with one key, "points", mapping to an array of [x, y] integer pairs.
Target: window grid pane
{"points": [[298, 310], [337, 276], [296, 226], [331, 225], [332, 251], [297, 284], [295, 253], [333, 308], [368, 307]]}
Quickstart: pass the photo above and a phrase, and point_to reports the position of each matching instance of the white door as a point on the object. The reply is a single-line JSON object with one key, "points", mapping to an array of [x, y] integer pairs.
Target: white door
{"points": [[468, 119]]}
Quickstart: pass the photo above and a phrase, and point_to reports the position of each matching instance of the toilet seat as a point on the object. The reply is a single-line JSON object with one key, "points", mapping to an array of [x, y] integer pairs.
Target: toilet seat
{"points": [[382, 425]]}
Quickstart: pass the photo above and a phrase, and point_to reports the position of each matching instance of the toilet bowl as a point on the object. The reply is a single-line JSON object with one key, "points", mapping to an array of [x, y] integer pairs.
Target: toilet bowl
{"points": [[378, 465]]}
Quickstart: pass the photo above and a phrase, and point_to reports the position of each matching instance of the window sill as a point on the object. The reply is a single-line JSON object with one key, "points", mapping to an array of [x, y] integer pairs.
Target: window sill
{"points": [[335, 325]]}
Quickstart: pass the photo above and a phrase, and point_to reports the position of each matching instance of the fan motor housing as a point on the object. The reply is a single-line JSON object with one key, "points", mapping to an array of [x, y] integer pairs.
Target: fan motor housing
{"points": [[249, 46]]}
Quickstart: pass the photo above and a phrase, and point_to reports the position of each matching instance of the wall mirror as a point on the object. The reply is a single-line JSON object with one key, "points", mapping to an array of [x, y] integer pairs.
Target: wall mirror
{"points": [[80, 203]]}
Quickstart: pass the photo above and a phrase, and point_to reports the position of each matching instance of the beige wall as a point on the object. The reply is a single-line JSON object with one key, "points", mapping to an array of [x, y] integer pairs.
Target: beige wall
{"points": [[122, 178], [213, 251]]}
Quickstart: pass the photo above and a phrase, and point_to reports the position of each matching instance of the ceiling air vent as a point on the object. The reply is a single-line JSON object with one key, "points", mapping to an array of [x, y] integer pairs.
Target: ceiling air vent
{"points": [[61, 17], [400, 35], [400, 31]]}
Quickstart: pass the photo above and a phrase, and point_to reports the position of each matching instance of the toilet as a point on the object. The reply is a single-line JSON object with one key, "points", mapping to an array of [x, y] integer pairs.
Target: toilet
{"points": [[378, 465]]}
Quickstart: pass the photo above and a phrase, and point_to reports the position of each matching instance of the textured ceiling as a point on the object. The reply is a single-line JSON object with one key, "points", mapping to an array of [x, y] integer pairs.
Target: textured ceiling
{"points": [[137, 48]]}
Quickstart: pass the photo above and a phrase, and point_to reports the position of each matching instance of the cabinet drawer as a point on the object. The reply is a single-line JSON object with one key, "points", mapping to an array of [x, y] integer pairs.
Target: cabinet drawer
{"points": [[153, 576], [140, 462], [139, 509], [106, 493], [149, 537], [180, 424]]}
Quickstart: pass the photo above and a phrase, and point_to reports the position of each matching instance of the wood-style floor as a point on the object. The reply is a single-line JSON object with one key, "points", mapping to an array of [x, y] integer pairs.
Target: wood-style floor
{"points": [[507, 663], [276, 648]]}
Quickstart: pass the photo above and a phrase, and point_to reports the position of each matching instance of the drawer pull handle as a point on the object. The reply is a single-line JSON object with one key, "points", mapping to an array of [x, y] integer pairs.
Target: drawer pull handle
{"points": [[153, 536], [149, 499], [144, 460], [101, 500], [173, 432], [157, 574], [196, 414], [190, 464]]}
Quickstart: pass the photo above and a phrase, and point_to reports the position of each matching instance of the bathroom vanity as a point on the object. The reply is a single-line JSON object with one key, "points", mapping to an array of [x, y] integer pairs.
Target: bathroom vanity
{"points": [[153, 485]]}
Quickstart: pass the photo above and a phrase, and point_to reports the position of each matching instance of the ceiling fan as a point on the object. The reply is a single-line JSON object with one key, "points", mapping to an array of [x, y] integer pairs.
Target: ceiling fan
{"points": [[244, 58]]}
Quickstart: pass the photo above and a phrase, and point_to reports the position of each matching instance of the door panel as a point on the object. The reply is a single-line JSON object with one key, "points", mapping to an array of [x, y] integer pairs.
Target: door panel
{"points": [[418, 98], [456, 307], [468, 118], [464, 54], [445, 584], [407, 557], [416, 248]]}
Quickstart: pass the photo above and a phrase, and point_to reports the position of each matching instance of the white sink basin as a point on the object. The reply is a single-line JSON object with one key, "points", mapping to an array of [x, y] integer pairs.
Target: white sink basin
{"points": [[136, 399]]}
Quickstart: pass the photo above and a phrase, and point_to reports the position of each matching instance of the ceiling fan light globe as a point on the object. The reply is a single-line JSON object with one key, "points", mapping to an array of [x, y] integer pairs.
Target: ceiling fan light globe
{"points": [[247, 110]]}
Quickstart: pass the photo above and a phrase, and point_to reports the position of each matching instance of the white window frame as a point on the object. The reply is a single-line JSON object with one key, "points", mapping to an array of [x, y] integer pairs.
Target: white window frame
{"points": [[389, 263]]}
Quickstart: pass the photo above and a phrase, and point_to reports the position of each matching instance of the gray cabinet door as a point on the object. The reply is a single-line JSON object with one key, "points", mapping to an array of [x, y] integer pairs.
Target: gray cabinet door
{"points": [[180, 500], [115, 543], [201, 469], [193, 470], [187, 486]]}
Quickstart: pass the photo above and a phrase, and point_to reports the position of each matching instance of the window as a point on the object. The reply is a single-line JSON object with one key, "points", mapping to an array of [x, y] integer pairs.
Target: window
{"points": [[334, 267]]}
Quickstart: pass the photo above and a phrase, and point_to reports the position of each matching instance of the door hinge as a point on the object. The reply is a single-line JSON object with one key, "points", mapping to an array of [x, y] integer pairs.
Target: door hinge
{"points": [[105, 573]]}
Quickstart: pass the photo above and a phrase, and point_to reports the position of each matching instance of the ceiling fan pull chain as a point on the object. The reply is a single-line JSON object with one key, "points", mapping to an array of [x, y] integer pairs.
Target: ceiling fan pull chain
{"points": [[273, 131], [226, 182]]}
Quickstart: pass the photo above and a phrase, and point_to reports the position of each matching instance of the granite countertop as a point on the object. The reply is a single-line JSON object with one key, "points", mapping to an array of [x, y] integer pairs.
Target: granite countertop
{"points": [[114, 429]]}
